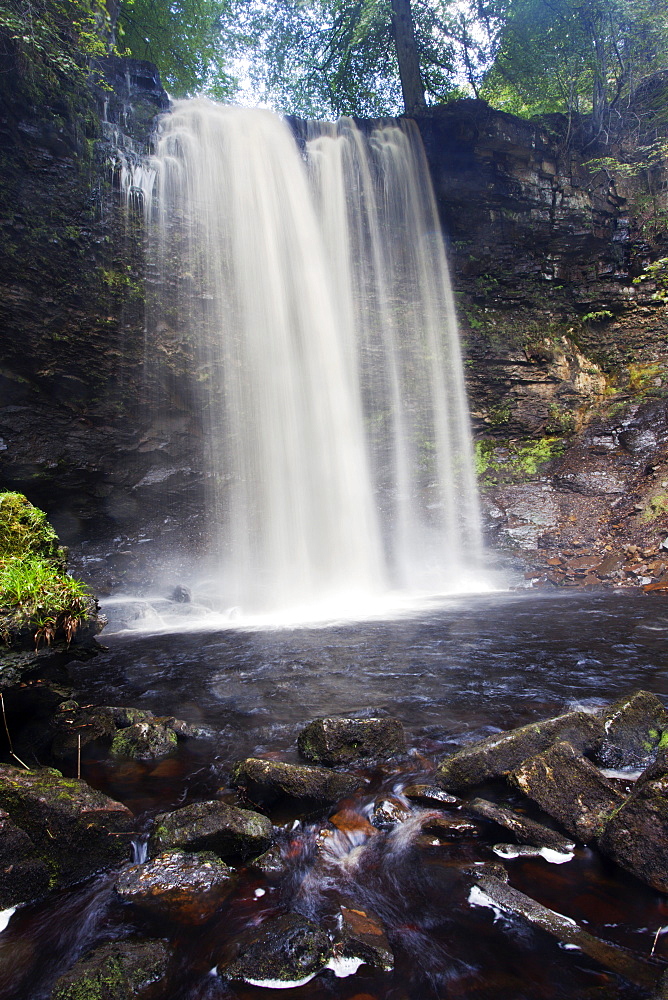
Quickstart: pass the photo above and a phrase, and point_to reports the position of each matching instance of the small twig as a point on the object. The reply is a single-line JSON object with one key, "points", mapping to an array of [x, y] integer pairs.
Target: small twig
{"points": [[9, 739], [79, 756], [656, 938]]}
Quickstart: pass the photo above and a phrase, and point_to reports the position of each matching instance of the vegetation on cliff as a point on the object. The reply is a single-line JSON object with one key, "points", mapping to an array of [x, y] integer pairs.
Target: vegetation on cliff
{"points": [[35, 591]]}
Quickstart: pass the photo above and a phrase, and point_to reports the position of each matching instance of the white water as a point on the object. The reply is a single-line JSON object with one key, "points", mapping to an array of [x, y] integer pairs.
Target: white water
{"points": [[316, 292]]}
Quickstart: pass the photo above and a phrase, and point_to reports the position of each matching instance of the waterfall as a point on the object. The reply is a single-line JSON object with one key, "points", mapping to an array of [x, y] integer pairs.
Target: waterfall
{"points": [[315, 288]]}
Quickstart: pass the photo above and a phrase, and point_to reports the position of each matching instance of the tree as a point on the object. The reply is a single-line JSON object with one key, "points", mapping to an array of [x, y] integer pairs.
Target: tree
{"points": [[324, 57], [190, 42], [574, 55]]}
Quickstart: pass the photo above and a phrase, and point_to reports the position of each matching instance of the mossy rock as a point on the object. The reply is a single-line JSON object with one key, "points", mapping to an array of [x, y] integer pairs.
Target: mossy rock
{"points": [[25, 530], [116, 971]]}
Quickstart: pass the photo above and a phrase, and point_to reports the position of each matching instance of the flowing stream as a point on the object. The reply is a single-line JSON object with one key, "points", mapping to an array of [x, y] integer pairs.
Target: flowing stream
{"points": [[314, 287], [456, 671]]}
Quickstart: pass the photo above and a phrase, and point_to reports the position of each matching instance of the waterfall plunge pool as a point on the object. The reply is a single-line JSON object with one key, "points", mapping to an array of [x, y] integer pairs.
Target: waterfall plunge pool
{"points": [[453, 673]]}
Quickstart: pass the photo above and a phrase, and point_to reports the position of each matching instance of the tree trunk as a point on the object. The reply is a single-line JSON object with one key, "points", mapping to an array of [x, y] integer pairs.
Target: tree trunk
{"points": [[412, 87]]}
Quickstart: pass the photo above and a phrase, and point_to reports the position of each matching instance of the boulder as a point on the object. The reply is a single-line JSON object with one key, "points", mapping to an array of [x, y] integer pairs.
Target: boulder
{"points": [[265, 781], [363, 937], [634, 731], [177, 885], [75, 727], [75, 829], [636, 836], [212, 826], [526, 830], [338, 741], [449, 827], [119, 970], [144, 741], [286, 949], [25, 875], [570, 789], [501, 753]]}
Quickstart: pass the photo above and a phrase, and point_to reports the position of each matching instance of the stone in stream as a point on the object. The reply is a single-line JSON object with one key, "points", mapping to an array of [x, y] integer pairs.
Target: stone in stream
{"points": [[338, 741], [570, 789], [285, 950], [526, 830], [144, 741], [212, 826], [429, 795], [388, 811], [119, 970], [634, 729], [495, 894], [496, 755], [75, 829], [178, 885], [25, 875], [636, 836], [265, 781], [363, 937]]}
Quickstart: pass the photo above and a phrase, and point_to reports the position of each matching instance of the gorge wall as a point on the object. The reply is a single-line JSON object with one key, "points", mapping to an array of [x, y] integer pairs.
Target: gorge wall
{"points": [[565, 354]]}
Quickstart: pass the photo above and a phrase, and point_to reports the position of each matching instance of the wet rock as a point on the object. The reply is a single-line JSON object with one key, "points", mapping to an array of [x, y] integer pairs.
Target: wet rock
{"points": [[75, 829], [285, 949], [265, 781], [76, 727], [570, 789], [526, 830], [144, 741], [212, 826], [23, 874], [338, 741], [478, 868], [178, 885], [363, 937], [636, 836], [181, 594], [353, 824], [429, 795], [388, 811], [634, 730], [120, 970], [492, 892], [497, 755], [448, 827], [271, 862]]}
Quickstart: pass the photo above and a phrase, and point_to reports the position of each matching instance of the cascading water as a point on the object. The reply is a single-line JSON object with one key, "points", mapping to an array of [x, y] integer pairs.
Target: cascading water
{"points": [[317, 293]]}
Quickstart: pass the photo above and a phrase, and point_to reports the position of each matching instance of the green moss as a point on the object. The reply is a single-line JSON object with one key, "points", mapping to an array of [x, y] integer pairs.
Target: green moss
{"points": [[35, 590], [655, 508], [514, 461], [663, 742]]}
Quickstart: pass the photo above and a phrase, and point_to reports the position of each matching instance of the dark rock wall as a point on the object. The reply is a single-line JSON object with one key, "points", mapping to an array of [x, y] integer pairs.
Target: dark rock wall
{"points": [[539, 241]]}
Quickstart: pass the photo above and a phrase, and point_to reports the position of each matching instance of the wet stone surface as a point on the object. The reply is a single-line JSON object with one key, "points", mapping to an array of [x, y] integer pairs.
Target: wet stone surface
{"points": [[266, 781], [212, 826], [339, 741], [178, 885]]}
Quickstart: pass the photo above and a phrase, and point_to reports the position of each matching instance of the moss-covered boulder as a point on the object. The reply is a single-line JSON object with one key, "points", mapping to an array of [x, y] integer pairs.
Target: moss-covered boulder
{"points": [[570, 789], [178, 885], [338, 741], [266, 781], [212, 826], [636, 727], [25, 875], [76, 829], [144, 741], [286, 950], [636, 836], [40, 605], [119, 970], [499, 754]]}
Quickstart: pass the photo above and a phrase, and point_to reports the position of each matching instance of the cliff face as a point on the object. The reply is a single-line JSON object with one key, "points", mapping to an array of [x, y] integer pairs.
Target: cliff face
{"points": [[565, 355]]}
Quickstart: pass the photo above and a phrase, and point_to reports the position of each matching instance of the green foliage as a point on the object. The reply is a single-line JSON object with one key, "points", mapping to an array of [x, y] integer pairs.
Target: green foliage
{"points": [[656, 507], [35, 590], [514, 461], [573, 55], [190, 41], [657, 273], [598, 316]]}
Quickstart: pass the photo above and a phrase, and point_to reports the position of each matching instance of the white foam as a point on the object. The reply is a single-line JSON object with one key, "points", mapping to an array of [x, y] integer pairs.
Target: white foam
{"points": [[342, 967], [259, 892], [479, 898], [509, 851], [280, 984], [5, 917]]}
